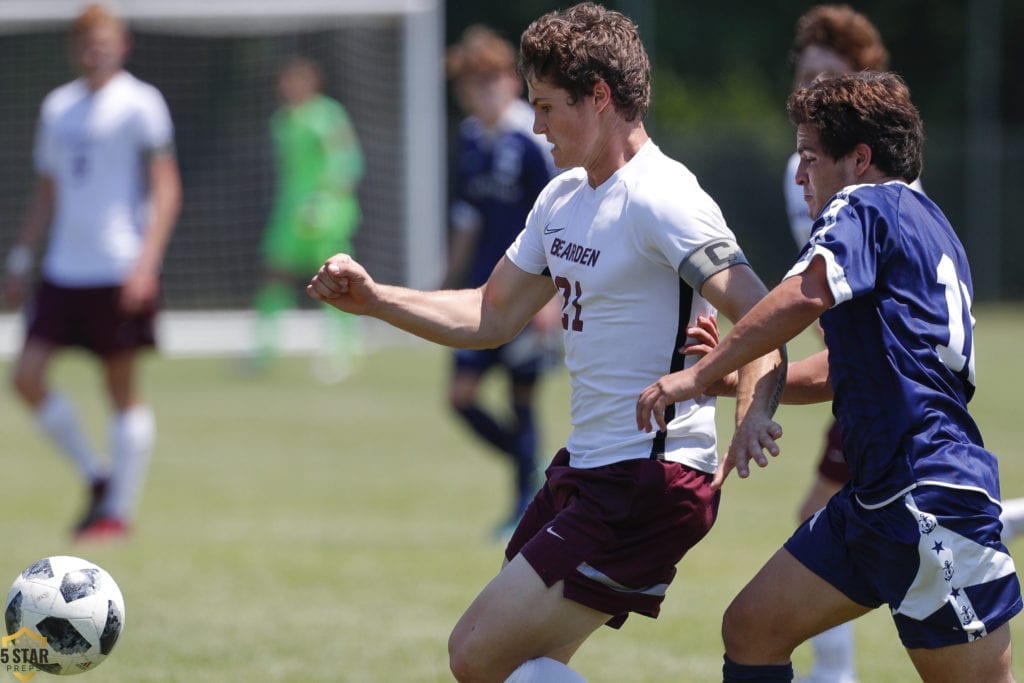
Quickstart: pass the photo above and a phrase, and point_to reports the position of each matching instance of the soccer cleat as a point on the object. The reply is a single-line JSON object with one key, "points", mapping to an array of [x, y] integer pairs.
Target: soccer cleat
{"points": [[104, 529], [97, 492]]}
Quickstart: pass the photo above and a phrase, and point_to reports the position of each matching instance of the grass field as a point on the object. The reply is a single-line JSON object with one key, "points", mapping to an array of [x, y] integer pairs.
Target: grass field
{"points": [[297, 532]]}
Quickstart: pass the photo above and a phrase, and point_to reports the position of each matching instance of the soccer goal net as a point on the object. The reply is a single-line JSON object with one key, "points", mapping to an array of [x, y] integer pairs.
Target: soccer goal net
{"points": [[216, 62]]}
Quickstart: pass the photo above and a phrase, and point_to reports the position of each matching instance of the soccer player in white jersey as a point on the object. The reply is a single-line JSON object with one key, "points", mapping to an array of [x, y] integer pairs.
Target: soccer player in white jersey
{"points": [[917, 527], [635, 250], [109, 193]]}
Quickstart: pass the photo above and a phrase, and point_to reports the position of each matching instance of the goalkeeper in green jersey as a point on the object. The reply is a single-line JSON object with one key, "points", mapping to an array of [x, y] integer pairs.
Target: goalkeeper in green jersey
{"points": [[319, 164]]}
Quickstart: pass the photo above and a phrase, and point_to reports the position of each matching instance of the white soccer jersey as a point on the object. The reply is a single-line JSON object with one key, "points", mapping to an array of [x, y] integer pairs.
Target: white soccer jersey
{"points": [[614, 254], [95, 145]]}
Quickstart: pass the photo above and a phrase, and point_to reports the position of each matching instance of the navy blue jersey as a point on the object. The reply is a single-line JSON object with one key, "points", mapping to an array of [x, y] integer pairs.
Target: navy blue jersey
{"points": [[500, 173], [901, 348]]}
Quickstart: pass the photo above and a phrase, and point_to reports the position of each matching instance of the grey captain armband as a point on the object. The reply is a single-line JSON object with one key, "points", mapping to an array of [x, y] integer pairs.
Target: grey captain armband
{"points": [[708, 259]]}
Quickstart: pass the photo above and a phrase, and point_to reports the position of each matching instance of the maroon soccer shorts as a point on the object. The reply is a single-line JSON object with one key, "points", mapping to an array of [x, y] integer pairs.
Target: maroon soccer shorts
{"points": [[614, 534], [89, 317]]}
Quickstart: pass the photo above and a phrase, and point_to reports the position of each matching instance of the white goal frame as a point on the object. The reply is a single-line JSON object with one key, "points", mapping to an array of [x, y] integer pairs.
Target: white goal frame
{"points": [[424, 127]]}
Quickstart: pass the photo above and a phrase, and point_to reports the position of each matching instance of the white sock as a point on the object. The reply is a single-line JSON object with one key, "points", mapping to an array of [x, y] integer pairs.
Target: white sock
{"points": [[833, 655], [58, 419], [544, 670], [1012, 517], [132, 434]]}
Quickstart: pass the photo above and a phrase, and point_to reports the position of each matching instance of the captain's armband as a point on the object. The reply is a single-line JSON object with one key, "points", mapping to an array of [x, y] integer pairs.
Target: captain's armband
{"points": [[708, 259]]}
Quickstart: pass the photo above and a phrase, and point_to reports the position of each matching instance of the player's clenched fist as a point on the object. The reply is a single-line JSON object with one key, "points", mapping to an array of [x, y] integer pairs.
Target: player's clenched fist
{"points": [[344, 284]]}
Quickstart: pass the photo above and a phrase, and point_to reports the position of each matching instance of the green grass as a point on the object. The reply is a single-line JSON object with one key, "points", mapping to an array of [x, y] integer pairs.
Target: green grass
{"points": [[296, 532]]}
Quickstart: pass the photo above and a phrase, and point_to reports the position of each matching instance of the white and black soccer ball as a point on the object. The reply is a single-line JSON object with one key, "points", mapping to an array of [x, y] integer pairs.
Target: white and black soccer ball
{"points": [[75, 604]]}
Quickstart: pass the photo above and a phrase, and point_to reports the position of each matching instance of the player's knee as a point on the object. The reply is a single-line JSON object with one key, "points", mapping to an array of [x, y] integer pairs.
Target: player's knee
{"points": [[466, 666], [738, 626]]}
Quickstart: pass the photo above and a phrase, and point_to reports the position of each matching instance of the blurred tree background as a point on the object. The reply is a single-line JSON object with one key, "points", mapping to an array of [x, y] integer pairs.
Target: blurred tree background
{"points": [[721, 74]]}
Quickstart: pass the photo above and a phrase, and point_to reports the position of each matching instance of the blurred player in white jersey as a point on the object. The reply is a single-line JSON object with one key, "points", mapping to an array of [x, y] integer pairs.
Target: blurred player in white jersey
{"points": [[917, 526], [635, 250], [109, 193]]}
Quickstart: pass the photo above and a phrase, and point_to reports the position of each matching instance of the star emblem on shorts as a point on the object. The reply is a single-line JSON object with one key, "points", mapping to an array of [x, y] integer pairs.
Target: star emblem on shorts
{"points": [[938, 547]]}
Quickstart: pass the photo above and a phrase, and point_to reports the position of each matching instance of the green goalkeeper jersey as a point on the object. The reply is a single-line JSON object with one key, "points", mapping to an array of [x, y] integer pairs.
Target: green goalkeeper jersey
{"points": [[319, 165]]}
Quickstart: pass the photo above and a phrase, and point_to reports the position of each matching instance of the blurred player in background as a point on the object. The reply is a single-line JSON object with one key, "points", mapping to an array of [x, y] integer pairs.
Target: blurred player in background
{"points": [[109, 193], [830, 39], [319, 164], [917, 526], [501, 168], [635, 250]]}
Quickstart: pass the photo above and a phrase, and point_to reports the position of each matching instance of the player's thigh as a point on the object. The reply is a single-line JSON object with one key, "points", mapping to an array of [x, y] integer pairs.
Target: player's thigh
{"points": [[985, 660], [517, 617], [782, 606]]}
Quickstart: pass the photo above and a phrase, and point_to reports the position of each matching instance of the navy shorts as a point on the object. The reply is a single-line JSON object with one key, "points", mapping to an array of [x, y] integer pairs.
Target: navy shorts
{"points": [[934, 556], [614, 534], [89, 317]]}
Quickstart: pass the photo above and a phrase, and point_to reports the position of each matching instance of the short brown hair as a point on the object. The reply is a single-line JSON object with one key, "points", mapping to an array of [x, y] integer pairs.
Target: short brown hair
{"points": [[867, 107], [846, 32], [480, 50], [586, 44], [92, 16]]}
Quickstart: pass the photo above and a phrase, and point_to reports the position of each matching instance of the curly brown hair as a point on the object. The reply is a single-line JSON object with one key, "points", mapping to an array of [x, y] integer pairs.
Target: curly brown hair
{"points": [[577, 48], [867, 107], [846, 32]]}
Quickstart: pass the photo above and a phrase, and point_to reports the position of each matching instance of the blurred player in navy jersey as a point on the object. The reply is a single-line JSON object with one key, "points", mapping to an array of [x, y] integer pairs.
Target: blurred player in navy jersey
{"points": [[917, 526], [501, 168], [109, 194], [635, 250], [829, 40]]}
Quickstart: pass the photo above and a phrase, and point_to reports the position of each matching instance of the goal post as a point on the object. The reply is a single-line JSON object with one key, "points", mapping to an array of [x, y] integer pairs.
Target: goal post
{"points": [[215, 61]]}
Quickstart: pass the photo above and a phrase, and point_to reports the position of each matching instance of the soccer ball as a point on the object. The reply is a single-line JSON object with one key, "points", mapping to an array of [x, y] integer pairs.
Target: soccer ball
{"points": [[72, 603]]}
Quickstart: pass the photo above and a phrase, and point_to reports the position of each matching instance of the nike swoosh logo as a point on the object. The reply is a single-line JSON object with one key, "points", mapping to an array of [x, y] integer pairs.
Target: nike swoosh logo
{"points": [[551, 231], [554, 533]]}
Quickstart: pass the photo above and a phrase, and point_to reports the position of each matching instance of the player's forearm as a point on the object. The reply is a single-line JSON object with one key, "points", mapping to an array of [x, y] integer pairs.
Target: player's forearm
{"points": [[37, 219], [38, 214], [453, 317], [772, 322], [165, 198], [760, 385], [808, 381]]}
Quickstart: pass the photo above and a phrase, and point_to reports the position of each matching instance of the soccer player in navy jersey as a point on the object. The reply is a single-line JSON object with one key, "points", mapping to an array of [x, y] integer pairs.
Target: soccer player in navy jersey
{"points": [[501, 167], [917, 527]]}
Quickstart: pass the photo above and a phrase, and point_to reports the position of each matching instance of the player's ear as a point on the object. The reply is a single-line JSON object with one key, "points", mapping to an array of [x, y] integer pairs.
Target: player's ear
{"points": [[862, 158], [602, 95]]}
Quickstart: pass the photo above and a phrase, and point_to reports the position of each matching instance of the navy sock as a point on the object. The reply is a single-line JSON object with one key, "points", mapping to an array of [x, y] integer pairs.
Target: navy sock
{"points": [[762, 673], [486, 427]]}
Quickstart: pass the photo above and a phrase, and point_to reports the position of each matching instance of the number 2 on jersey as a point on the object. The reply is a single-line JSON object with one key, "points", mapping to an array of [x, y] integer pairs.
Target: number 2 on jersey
{"points": [[570, 297]]}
